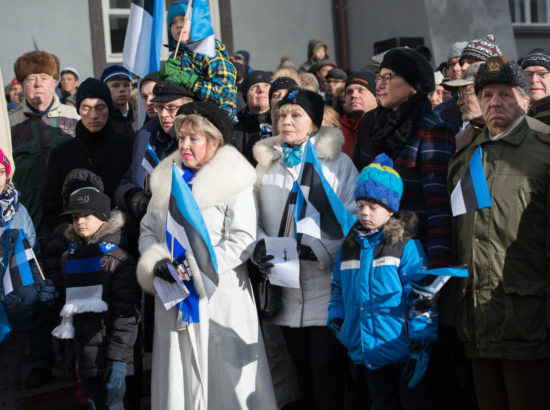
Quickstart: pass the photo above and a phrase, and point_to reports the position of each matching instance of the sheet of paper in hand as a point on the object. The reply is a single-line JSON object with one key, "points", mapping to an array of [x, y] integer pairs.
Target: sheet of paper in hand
{"points": [[286, 269], [170, 293]]}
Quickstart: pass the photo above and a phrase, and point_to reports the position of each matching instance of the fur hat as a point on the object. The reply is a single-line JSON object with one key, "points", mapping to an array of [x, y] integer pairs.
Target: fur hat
{"points": [[254, 77], [364, 78], [281, 83], [412, 66], [36, 62], [456, 49], [481, 48], [93, 88], [212, 113], [501, 70], [380, 183], [311, 102], [538, 57]]}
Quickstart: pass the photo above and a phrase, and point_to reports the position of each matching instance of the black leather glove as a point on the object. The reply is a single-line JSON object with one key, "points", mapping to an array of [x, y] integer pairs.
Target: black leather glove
{"points": [[161, 270], [261, 259], [138, 203]]}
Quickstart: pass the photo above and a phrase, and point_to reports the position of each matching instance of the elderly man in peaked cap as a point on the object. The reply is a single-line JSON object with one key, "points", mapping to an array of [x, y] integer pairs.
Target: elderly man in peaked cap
{"points": [[502, 308]]}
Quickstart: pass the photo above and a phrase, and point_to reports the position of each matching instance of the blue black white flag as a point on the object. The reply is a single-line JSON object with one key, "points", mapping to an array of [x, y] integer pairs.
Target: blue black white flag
{"points": [[319, 211], [150, 159], [186, 232], [472, 192], [202, 39], [143, 42], [18, 271], [433, 280]]}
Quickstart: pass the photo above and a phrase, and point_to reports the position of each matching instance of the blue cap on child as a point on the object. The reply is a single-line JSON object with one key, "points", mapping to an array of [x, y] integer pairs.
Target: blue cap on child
{"points": [[380, 183]]}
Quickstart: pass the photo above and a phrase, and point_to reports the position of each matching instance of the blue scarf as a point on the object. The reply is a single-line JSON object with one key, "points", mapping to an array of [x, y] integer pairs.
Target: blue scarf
{"points": [[292, 156], [189, 306]]}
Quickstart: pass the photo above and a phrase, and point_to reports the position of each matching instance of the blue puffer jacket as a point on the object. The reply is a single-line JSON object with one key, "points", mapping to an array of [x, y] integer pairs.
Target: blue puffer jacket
{"points": [[370, 290]]}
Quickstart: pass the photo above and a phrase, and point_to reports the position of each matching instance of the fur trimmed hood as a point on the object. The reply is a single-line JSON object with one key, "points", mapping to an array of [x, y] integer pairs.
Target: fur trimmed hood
{"points": [[327, 142], [110, 229], [400, 228], [221, 178]]}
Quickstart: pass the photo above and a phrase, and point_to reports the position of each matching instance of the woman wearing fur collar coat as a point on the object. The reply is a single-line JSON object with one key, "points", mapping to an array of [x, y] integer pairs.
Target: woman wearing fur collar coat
{"points": [[303, 312], [219, 362]]}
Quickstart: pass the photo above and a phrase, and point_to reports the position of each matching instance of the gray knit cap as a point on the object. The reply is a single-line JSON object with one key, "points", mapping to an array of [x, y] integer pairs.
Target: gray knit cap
{"points": [[481, 48], [538, 57], [456, 49]]}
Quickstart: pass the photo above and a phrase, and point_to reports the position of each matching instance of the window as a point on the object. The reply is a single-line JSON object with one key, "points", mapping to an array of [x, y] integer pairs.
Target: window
{"points": [[530, 12]]}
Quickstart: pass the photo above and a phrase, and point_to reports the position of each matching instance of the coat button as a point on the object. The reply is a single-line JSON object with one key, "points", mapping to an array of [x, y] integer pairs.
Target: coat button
{"points": [[369, 365], [362, 309], [476, 240], [301, 302], [477, 291]]}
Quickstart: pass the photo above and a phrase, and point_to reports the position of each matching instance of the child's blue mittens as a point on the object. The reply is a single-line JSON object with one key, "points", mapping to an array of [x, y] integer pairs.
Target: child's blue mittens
{"points": [[335, 326], [416, 366]]}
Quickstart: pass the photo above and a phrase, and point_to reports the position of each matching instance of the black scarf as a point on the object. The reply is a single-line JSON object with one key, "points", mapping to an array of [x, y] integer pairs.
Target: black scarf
{"points": [[390, 130]]}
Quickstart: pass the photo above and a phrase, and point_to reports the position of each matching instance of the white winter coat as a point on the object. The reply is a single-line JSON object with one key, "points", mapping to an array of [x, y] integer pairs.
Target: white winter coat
{"points": [[219, 363], [307, 306]]}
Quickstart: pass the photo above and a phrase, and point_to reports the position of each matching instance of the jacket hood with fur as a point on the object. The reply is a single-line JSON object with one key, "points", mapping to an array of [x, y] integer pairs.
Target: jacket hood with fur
{"points": [[111, 231]]}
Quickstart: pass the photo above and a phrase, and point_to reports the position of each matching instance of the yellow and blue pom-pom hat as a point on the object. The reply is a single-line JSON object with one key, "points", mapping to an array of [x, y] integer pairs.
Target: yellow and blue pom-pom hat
{"points": [[380, 183]]}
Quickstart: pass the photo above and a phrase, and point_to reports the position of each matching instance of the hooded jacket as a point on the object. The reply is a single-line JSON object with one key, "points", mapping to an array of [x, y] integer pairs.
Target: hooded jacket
{"points": [[311, 59], [306, 306], [370, 290], [111, 335]]}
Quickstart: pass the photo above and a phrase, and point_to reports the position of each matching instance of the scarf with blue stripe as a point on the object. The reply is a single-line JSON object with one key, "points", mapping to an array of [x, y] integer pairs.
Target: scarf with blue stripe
{"points": [[189, 307]]}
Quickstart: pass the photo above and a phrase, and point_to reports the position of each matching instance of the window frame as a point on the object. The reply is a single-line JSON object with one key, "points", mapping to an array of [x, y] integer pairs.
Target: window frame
{"points": [[526, 6]]}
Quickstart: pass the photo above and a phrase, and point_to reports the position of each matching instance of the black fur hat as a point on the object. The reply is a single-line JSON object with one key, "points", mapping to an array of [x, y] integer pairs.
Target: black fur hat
{"points": [[212, 113], [412, 66], [501, 70]]}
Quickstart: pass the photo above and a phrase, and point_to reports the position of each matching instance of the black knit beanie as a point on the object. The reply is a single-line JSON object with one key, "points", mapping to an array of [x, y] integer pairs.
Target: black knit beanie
{"points": [[93, 88], [281, 83], [412, 66], [537, 57], [253, 78], [311, 102], [212, 113], [364, 78]]}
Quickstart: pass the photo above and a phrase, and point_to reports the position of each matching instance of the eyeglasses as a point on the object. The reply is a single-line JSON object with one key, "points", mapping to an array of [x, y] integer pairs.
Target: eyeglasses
{"points": [[385, 79], [463, 94], [540, 74], [170, 108]]}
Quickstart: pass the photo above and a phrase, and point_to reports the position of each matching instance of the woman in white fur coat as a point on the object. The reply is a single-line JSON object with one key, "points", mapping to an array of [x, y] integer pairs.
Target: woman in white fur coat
{"points": [[317, 354], [220, 362]]}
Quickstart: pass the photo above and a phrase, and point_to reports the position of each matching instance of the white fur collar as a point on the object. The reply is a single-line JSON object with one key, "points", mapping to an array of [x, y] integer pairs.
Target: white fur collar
{"points": [[224, 176], [327, 142]]}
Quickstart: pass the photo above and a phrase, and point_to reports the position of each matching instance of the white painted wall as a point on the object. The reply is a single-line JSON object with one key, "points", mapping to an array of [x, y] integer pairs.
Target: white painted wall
{"points": [[269, 29], [60, 27]]}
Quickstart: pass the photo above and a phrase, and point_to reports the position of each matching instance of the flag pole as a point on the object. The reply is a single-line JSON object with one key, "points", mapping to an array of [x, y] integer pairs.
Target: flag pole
{"points": [[178, 45], [187, 17], [39, 268]]}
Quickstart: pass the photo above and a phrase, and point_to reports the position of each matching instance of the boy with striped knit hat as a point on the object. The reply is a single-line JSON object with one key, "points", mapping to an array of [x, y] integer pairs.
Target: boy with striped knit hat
{"points": [[373, 310]]}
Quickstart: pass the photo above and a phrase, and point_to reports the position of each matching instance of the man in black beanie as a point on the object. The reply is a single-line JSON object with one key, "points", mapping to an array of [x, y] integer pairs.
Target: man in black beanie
{"points": [[536, 66], [96, 147], [255, 118]]}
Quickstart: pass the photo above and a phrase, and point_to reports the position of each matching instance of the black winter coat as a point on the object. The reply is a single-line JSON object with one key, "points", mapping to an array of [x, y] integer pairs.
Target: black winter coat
{"points": [[247, 132], [109, 336], [106, 153]]}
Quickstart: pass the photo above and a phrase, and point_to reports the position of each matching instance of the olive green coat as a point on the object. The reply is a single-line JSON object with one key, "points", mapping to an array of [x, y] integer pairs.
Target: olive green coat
{"points": [[502, 310]]}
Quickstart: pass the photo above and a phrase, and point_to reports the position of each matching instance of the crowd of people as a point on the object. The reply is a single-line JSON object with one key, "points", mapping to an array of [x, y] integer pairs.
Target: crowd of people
{"points": [[442, 167]]}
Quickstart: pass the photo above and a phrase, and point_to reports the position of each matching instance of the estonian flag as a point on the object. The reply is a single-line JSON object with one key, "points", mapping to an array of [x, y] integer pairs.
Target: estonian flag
{"points": [[471, 193], [18, 271], [143, 42], [202, 39], [150, 159], [319, 212], [186, 231]]}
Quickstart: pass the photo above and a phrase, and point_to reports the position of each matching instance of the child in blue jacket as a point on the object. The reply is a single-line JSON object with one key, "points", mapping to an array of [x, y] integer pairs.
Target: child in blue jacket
{"points": [[385, 324]]}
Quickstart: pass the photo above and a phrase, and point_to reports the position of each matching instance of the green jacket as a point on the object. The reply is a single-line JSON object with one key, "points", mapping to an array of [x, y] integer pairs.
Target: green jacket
{"points": [[502, 310]]}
